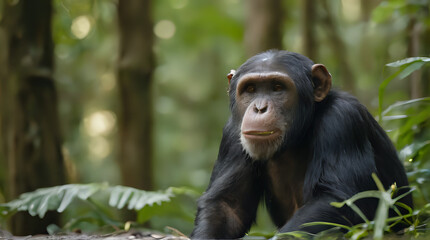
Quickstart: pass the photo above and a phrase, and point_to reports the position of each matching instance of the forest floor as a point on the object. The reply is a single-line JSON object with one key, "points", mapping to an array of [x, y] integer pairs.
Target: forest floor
{"points": [[112, 236]]}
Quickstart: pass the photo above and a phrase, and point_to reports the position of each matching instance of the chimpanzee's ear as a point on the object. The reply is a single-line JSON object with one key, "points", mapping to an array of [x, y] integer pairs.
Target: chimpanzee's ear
{"points": [[322, 80], [230, 75]]}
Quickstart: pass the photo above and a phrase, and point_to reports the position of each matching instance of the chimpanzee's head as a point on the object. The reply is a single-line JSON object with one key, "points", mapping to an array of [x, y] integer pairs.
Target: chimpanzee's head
{"points": [[272, 98]]}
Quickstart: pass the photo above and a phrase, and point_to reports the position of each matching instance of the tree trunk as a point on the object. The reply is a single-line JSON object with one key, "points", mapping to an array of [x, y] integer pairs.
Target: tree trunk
{"points": [[309, 42], [413, 51], [30, 124], [263, 28], [136, 66], [366, 8], [4, 111]]}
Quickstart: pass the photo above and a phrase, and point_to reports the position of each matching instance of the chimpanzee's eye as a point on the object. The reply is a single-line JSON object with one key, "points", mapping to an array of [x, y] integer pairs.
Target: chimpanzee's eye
{"points": [[250, 88], [278, 87]]}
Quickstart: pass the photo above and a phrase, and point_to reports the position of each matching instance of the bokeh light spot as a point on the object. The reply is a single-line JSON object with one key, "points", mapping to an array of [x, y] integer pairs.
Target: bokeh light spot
{"points": [[99, 123], [164, 29], [351, 9], [81, 26]]}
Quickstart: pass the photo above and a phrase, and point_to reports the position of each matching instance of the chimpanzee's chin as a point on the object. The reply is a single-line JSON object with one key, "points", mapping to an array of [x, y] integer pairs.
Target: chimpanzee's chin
{"points": [[260, 151]]}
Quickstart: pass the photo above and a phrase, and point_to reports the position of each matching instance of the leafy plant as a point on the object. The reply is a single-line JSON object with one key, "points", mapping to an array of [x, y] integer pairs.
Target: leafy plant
{"points": [[59, 198], [381, 221], [406, 67], [407, 124], [378, 225]]}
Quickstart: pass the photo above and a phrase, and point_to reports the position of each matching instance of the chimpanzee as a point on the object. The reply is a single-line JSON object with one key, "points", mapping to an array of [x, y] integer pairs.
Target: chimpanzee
{"points": [[297, 145]]}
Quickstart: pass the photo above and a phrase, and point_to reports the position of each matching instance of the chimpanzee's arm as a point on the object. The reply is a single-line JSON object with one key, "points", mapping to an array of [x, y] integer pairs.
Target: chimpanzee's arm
{"points": [[228, 207]]}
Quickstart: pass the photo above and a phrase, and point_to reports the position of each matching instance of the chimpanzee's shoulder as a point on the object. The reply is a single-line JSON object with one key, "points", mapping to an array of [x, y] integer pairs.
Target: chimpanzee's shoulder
{"points": [[341, 103], [342, 112]]}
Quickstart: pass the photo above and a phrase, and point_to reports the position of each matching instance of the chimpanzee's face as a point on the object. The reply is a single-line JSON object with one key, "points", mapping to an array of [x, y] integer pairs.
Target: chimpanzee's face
{"points": [[266, 99], [272, 100]]}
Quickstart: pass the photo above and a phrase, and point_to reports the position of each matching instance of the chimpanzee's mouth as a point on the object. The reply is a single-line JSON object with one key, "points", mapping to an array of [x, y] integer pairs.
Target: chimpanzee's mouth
{"points": [[255, 135], [259, 133]]}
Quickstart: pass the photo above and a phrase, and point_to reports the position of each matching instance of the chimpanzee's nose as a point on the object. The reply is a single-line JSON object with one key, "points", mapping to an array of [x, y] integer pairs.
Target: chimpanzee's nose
{"points": [[260, 108]]}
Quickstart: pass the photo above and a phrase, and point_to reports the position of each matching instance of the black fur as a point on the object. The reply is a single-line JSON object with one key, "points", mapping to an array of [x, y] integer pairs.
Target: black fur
{"points": [[345, 146]]}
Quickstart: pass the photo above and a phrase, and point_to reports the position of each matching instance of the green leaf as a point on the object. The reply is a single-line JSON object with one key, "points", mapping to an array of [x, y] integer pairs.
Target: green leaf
{"points": [[266, 235], [411, 150], [184, 191], [378, 182], [410, 69], [359, 234], [69, 195], [404, 105], [338, 204], [381, 215], [58, 198], [414, 121], [327, 224], [115, 195], [43, 207], [402, 196], [294, 234], [407, 66], [404, 206], [407, 61], [133, 201], [137, 199], [350, 202], [54, 198], [419, 176], [125, 196], [360, 195]]}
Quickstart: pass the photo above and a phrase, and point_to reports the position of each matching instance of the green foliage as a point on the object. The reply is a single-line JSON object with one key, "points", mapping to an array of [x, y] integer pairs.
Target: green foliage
{"points": [[136, 199], [379, 225], [407, 124], [402, 8], [381, 222], [59, 198], [406, 67]]}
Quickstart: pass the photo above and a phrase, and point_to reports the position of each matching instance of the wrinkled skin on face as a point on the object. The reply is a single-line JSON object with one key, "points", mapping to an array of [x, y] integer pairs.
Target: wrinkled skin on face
{"points": [[267, 102]]}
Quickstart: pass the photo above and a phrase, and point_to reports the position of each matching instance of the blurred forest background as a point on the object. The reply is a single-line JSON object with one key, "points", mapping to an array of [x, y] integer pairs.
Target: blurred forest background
{"points": [[134, 92]]}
